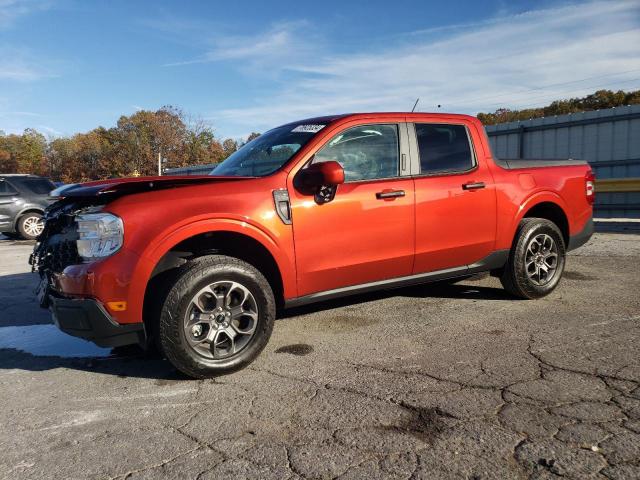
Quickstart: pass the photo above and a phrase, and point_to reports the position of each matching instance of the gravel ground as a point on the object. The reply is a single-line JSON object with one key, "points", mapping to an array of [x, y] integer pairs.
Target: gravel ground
{"points": [[429, 382]]}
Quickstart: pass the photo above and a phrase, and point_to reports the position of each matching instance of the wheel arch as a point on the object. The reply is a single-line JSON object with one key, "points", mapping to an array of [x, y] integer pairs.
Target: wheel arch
{"points": [[547, 205], [242, 243], [554, 213], [23, 212]]}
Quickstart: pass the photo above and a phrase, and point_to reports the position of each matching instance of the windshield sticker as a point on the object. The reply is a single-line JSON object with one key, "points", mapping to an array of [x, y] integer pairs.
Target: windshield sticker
{"points": [[308, 128]]}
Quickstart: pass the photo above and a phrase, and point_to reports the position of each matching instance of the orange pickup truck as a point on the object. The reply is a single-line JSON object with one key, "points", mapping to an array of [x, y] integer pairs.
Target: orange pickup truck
{"points": [[308, 211]]}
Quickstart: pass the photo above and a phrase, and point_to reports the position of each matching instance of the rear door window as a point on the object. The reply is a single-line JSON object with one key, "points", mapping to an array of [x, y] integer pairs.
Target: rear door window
{"points": [[443, 148]]}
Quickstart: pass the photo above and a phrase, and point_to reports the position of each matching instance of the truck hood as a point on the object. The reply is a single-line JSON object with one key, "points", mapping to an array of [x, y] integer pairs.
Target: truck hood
{"points": [[118, 187]]}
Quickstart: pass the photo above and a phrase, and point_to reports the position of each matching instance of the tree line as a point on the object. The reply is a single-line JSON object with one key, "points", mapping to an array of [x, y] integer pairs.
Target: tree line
{"points": [[129, 148], [133, 145], [596, 101]]}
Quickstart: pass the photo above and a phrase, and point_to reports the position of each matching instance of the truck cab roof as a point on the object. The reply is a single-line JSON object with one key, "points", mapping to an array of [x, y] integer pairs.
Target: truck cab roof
{"points": [[326, 119]]}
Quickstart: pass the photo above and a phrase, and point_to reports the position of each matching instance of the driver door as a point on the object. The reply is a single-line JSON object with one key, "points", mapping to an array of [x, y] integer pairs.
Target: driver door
{"points": [[366, 232]]}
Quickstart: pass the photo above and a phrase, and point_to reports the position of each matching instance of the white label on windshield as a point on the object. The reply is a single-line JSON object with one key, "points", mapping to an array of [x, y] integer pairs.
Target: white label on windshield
{"points": [[308, 128]]}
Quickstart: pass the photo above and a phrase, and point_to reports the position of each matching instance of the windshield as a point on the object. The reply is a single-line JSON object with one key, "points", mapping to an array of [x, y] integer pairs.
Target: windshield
{"points": [[267, 153]]}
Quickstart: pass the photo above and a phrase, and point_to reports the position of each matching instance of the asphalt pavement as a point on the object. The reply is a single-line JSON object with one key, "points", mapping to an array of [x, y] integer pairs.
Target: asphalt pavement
{"points": [[459, 381]]}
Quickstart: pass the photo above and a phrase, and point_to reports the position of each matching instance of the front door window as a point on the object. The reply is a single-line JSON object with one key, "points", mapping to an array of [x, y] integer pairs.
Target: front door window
{"points": [[365, 152]]}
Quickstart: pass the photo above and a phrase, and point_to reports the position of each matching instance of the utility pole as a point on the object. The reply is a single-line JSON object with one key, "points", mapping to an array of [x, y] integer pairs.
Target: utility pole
{"points": [[159, 163]]}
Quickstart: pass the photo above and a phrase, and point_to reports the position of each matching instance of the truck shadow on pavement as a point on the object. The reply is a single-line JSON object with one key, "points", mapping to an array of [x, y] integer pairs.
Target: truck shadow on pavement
{"points": [[429, 290], [28, 340], [125, 363], [18, 302]]}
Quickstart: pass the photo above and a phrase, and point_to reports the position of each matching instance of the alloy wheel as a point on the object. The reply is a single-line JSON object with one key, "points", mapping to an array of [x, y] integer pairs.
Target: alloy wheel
{"points": [[221, 320], [33, 226], [541, 259]]}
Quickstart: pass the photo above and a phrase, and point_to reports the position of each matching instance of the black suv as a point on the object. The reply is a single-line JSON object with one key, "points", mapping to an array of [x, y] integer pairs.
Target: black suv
{"points": [[23, 199]]}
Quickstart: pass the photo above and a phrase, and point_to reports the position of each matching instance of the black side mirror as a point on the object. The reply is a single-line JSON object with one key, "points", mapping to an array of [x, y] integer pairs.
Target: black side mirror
{"points": [[320, 180]]}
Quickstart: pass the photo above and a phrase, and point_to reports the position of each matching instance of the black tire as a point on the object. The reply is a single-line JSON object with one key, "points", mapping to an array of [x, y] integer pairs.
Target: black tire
{"points": [[190, 279], [158, 290], [515, 278], [23, 226]]}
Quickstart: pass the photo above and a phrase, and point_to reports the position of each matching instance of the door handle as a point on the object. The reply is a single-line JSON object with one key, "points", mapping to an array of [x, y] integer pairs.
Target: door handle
{"points": [[389, 194], [473, 186]]}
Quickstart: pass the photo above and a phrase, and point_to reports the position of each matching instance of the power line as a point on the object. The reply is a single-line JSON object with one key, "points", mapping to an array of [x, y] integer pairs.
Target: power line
{"points": [[555, 94]]}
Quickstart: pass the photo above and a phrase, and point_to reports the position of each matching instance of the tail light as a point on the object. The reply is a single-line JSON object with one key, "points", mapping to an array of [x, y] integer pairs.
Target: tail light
{"points": [[590, 187]]}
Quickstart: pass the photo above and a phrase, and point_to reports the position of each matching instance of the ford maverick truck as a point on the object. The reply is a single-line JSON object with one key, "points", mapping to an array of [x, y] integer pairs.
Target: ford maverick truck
{"points": [[309, 211]]}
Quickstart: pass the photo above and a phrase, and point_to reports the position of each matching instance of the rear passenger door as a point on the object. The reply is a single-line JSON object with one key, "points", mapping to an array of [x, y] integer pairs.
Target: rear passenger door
{"points": [[455, 197]]}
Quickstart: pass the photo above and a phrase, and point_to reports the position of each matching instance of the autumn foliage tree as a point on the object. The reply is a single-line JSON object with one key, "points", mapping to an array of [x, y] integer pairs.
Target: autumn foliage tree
{"points": [[23, 153], [598, 100], [129, 148]]}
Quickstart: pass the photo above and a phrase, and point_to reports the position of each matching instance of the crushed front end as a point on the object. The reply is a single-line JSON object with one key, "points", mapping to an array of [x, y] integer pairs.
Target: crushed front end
{"points": [[68, 285]]}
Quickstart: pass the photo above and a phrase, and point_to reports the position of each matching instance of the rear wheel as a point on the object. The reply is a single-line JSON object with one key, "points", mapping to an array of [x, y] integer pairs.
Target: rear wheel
{"points": [[217, 317], [536, 261], [30, 225]]}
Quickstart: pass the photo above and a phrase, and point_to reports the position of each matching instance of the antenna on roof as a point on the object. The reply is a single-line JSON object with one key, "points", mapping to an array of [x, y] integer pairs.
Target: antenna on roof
{"points": [[415, 104]]}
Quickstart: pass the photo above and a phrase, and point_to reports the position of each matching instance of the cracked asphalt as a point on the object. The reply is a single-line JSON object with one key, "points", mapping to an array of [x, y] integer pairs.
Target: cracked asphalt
{"points": [[431, 382]]}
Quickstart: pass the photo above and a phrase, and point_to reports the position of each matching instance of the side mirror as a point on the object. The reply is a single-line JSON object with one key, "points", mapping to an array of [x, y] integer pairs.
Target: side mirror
{"points": [[320, 180], [332, 173], [325, 174]]}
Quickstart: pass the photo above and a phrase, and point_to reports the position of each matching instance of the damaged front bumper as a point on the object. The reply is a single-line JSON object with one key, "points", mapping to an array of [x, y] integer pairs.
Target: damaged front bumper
{"points": [[87, 318]]}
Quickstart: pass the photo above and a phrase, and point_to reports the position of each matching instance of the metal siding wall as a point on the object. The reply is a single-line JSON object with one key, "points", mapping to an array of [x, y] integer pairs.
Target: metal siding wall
{"points": [[608, 140], [634, 147]]}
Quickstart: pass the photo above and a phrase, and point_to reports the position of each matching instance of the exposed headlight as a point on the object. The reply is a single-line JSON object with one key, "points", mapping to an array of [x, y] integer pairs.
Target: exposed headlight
{"points": [[99, 235]]}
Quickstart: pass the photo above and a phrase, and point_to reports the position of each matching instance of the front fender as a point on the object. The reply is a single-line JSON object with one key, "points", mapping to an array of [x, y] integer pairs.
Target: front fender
{"points": [[156, 249]]}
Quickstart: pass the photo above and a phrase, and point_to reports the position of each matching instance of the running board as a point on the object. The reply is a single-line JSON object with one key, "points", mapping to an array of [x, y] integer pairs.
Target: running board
{"points": [[493, 261]]}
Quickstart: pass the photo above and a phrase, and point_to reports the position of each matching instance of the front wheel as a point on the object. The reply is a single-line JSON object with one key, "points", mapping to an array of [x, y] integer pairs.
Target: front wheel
{"points": [[217, 317], [536, 260]]}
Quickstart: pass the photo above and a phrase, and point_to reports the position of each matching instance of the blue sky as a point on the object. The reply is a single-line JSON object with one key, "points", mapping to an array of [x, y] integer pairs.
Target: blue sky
{"points": [[68, 66]]}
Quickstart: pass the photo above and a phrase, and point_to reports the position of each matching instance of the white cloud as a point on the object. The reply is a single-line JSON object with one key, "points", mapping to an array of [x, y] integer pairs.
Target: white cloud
{"points": [[50, 131], [281, 44], [516, 60], [19, 114], [11, 10], [19, 64]]}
